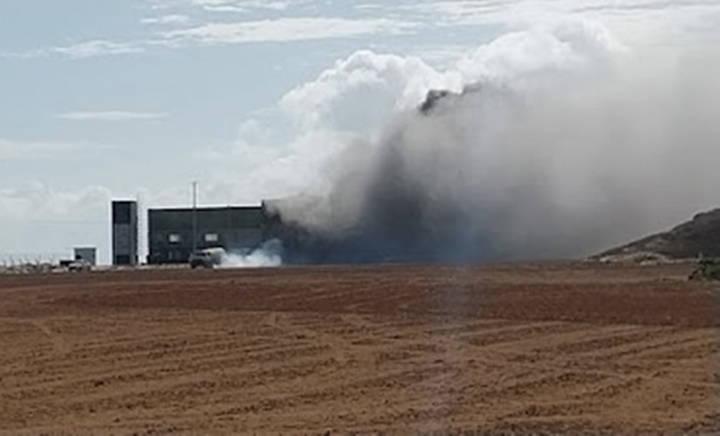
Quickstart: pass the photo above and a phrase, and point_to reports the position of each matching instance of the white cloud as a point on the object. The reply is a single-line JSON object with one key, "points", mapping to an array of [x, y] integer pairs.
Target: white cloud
{"points": [[636, 22], [245, 3], [111, 116], [286, 29], [39, 222], [36, 200], [229, 5], [633, 21], [30, 54], [23, 150], [242, 6], [166, 19], [96, 48], [340, 97], [82, 50], [439, 56]]}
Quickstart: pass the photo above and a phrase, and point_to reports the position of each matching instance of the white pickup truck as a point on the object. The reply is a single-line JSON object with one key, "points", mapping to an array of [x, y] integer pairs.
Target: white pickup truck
{"points": [[207, 258], [79, 265]]}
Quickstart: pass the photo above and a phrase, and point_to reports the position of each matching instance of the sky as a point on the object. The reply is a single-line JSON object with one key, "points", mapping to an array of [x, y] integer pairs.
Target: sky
{"points": [[136, 99]]}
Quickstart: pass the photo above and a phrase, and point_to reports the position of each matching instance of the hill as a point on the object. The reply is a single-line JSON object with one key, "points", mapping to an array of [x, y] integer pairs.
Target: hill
{"points": [[697, 237]]}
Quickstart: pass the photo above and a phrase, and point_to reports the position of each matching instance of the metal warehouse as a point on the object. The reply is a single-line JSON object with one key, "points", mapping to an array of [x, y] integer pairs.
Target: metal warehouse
{"points": [[174, 233]]}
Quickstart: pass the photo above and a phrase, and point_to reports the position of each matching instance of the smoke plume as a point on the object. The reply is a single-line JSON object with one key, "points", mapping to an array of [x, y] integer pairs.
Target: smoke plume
{"points": [[267, 256], [559, 144]]}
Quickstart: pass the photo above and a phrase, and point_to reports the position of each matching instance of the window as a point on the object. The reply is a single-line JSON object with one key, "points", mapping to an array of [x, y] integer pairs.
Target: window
{"points": [[174, 238], [211, 237]]}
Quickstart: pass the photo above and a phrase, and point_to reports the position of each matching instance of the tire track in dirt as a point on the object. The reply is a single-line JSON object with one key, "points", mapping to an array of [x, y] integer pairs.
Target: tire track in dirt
{"points": [[56, 339], [187, 365]]}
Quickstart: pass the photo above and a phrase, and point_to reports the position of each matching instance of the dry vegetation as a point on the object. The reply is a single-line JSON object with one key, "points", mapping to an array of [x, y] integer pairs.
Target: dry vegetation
{"points": [[517, 348]]}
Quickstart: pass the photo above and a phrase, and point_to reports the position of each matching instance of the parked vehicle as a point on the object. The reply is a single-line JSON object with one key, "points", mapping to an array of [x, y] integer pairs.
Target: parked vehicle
{"points": [[207, 258], [79, 265]]}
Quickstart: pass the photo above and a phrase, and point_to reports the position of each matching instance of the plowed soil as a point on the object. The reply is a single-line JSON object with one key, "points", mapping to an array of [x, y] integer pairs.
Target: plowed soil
{"points": [[571, 349]]}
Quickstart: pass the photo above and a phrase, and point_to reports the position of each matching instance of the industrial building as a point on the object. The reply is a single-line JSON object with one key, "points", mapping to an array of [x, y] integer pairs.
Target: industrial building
{"points": [[173, 234], [124, 233]]}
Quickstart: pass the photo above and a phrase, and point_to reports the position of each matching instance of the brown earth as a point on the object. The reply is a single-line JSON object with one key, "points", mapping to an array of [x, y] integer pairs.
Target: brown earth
{"points": [[582, 348]]}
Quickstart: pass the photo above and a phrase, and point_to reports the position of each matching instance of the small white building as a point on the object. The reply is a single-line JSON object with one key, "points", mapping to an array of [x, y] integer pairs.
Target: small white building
{"points": [[88, 254]]}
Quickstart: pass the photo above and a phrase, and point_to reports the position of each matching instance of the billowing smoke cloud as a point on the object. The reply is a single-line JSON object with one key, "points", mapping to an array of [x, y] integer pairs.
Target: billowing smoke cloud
{"points": [[267, 256], [550, 143]]}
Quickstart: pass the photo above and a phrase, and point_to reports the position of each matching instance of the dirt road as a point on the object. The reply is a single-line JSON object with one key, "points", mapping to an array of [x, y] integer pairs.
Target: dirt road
{"points": [[516, 348]]}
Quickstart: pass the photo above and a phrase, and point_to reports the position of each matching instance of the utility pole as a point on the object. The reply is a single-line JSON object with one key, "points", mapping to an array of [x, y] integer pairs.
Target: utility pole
{"points": [[194, 217]]}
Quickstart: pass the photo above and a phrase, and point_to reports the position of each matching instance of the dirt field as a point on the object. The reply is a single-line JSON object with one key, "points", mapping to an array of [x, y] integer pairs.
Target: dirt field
{"points": [[518, 348]]}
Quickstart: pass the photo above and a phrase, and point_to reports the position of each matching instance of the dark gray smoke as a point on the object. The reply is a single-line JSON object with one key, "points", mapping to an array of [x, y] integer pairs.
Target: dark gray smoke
{"points": [[561, 163]]}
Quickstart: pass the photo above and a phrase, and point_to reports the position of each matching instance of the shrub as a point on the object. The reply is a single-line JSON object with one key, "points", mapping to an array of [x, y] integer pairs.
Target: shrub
{"points": [[708, 269]]}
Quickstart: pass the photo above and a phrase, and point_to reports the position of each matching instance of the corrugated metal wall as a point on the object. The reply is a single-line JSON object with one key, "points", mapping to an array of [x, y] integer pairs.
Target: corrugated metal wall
{"points": [[233, 228]]}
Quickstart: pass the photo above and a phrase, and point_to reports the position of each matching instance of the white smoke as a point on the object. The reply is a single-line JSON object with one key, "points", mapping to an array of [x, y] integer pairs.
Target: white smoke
{"points": [[559, 142], [269, 255]]}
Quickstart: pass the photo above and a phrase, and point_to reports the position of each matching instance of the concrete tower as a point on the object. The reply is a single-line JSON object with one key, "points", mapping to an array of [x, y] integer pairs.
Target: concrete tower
{"points": [[125, 233]]}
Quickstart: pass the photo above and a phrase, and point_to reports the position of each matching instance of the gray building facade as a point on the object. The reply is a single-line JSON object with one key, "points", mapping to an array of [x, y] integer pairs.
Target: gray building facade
{"points": [[124, 233], [170, 231]]}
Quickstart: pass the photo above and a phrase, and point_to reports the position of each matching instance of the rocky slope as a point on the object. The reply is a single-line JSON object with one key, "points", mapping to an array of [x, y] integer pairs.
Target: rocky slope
{"points": [[697, 237]]}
